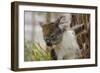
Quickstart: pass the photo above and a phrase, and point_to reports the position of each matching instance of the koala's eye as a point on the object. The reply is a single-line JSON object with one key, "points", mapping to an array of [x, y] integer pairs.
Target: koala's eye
{"points": [[52, 36]]}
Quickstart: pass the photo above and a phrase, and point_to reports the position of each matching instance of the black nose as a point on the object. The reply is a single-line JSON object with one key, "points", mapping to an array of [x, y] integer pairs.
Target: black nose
{"points": [[49, 44]]}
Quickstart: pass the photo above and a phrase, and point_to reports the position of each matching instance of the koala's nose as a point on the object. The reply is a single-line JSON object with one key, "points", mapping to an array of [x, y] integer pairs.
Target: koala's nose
{"points": [[49, 44]]}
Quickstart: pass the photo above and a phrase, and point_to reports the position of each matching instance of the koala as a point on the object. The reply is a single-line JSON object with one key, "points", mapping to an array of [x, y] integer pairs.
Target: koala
{"points": [[61, 40]]}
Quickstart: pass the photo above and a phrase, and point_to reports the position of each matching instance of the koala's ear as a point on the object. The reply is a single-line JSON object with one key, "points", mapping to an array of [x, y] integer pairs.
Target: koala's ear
{"points": [[57, 22]]}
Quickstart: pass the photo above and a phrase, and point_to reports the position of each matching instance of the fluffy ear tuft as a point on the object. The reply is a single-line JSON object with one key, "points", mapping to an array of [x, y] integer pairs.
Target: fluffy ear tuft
{"points": [[57, 22]]}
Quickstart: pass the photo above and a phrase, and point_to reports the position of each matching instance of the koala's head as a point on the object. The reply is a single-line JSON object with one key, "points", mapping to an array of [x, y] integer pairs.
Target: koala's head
{"points": [[53, 33]]}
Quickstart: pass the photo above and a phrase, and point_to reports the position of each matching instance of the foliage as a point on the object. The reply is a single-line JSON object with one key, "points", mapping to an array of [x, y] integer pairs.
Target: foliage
{"points": [[37, 53]]}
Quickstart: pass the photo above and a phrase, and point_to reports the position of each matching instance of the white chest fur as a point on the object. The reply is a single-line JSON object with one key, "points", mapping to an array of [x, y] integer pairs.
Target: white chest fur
{"points": [[69, 48]]}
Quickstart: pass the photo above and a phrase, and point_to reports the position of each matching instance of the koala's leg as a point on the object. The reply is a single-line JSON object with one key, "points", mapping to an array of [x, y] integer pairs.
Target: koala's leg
{"points": [[53, 54]]}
